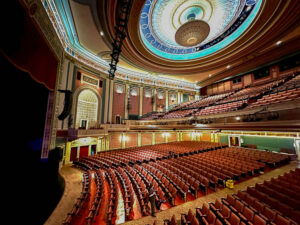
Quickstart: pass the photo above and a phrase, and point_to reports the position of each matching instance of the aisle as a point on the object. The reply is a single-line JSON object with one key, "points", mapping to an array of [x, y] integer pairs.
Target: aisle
{"points": [[136, 212], [120, 211]]}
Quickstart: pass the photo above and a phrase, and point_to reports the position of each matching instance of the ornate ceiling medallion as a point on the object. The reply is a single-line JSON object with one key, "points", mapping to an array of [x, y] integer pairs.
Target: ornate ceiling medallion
{"points": [[163, 26]]}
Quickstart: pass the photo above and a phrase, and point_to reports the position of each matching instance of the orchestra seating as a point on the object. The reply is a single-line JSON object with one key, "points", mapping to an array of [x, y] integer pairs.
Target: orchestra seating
{"points": [[276, 201], [193, 168]]}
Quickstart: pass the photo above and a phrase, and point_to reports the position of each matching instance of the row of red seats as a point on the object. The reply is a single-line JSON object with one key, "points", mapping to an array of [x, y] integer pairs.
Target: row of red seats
{"points": [[267, 157], [150, 180], [113, 195], [94, 209], [127, 191], [208, 178], [208, 100], [152, 116], [226, 107], [283, 96], [236, 209], [167, 187], [177, 114], [293, 83], [124, 156], [81, 200], [182, 181], [139, 188]]}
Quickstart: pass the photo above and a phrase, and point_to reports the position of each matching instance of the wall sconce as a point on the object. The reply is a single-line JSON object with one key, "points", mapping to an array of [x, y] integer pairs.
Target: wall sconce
{"points": [[165, 134], [123, 137]]}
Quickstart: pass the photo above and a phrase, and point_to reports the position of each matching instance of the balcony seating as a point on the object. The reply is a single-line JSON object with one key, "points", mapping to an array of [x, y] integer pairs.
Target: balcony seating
{"points": [[222, 108], [282, 96], [177, 114]]}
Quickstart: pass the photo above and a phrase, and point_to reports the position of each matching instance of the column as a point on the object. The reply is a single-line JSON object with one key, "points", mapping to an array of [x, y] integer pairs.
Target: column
{"points": [[178, 97], [126, 101], [67, 152], [139, 139], [167, 100], [90, 150], [141, 100], [106, 100], [78, 152], [107, 142], [98, 146], [154, 98], [153, 138], [111, 99]]}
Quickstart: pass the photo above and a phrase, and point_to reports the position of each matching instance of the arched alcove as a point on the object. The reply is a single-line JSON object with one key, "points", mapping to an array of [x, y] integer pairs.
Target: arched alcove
{"points": [[87, 109]]}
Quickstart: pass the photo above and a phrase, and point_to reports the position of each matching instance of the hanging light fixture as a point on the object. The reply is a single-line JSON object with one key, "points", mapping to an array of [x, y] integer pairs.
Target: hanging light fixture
{"points": [[192, 32]]}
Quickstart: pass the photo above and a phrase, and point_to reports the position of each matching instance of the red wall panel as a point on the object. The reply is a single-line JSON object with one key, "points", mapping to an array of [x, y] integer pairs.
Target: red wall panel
{"points": [[172, 137], [119, 103], [186, 137], [115, 141], [146, 139], [132, 140], [134, 105], [147, 104], [159, 138]]}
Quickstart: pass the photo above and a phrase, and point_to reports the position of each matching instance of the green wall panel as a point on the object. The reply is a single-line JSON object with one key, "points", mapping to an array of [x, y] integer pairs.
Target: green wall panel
{"points": [[270, 143], [224, 139], [185, 97]]}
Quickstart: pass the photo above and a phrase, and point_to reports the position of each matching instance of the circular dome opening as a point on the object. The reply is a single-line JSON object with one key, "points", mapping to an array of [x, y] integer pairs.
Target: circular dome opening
{"points": [[191, 16]]}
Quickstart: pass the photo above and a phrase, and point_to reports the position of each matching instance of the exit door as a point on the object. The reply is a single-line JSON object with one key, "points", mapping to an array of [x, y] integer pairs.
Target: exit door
{"points": [[234, 141]]}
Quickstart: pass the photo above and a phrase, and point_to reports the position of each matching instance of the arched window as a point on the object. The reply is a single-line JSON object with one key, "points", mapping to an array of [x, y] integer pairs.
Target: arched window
{"points": [[87, 109]]}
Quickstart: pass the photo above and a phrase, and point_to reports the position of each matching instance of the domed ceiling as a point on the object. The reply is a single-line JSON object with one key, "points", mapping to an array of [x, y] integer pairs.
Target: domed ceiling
{"points": [[227, 20], [192, 41]]}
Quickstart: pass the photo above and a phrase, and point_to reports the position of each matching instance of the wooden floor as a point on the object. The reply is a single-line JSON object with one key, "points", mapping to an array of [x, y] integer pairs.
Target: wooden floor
{"points": [[73, 188]]}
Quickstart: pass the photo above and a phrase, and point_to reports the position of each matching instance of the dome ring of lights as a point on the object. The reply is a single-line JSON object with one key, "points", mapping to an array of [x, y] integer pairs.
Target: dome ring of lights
{"points": [[160, 19]]}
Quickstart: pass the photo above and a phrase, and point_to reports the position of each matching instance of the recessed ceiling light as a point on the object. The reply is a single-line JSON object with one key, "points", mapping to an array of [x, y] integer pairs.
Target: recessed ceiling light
{"points": [[248, 8], [101, 33], [278, 42]]}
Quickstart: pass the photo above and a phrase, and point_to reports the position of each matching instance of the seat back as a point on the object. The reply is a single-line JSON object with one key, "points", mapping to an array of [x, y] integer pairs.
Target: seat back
{"points": [[280, 220], [257, 220], [234, 219], [248, 213]]}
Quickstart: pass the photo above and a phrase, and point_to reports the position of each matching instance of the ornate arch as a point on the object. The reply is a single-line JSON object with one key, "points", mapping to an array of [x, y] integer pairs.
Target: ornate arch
{"points": [[76, 95]]}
